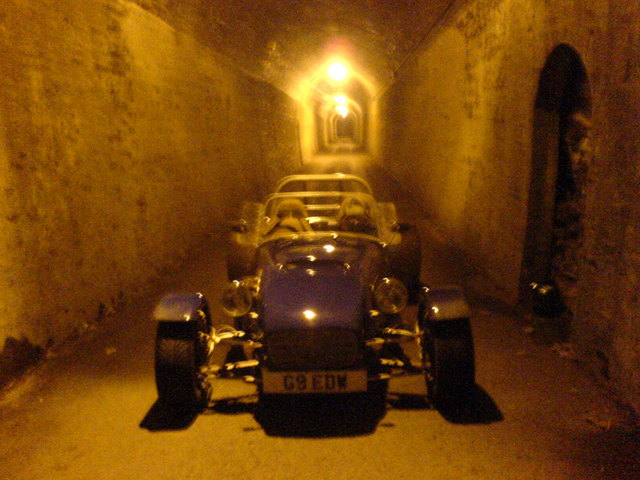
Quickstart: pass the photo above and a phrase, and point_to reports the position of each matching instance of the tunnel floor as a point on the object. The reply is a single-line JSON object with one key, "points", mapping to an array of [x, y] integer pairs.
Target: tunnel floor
{"points": [[87, 411]]}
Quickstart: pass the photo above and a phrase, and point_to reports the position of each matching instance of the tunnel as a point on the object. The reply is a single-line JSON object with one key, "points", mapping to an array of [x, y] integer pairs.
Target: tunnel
{"points": [[132, 130]]}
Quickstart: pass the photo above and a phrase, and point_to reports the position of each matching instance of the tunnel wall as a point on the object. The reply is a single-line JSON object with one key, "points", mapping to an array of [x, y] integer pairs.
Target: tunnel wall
{"points": [[458, 133], [124, 143]]}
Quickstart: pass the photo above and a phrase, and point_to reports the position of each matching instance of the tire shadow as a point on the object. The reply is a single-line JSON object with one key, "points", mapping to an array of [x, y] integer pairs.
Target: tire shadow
{"points": [[479, 409], [324, 416], [161, 417]]}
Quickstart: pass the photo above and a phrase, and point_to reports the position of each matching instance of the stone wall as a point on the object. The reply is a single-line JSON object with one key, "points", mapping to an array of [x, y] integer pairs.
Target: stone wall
{"points": [[459, 133], [123, 143]]}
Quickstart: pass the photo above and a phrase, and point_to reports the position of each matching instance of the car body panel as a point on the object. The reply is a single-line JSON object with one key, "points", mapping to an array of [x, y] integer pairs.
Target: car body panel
{"points": [[445, 303], [311, 295], [180, 307]]}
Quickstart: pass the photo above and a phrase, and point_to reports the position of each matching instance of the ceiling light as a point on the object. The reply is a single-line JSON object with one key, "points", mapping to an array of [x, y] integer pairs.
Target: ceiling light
{"points": [[342, 110], [340, 99], [338, 71], [309, 314]]}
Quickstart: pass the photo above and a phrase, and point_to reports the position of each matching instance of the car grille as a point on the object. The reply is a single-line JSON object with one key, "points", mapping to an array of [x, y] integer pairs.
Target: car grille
{"points": [[312, 349]]}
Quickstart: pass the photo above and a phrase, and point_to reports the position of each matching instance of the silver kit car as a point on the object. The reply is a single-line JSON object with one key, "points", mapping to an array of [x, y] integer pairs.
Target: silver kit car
{"points": [[319, 275]]}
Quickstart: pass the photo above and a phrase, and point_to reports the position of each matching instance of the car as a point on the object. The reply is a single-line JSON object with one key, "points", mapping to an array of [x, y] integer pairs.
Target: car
{"points": [[319, 275]]}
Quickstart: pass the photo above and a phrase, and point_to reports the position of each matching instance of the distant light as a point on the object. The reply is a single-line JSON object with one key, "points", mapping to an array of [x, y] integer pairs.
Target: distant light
{"points": [[340, 99], [342, 110], [329, 248], [309, 314], [338, 71]]}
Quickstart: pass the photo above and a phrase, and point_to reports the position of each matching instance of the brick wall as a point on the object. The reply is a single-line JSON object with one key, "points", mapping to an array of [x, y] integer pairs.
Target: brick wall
{"points": [[123, 143], [459, 133]]}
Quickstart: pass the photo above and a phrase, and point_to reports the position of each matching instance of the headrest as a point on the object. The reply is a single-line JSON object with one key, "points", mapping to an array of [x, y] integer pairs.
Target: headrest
{"points": [[291, 207], [353, 206]]}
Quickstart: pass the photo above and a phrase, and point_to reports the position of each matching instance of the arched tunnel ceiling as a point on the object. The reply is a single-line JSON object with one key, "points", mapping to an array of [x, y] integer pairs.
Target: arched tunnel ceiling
{"points": [[285, 41]]}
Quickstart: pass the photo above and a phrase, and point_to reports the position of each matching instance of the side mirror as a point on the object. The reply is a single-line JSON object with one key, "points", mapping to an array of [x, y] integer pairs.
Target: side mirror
{"points": [[239, 226]]}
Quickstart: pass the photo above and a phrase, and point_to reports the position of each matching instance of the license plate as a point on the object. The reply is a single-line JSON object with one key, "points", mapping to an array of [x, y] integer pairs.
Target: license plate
{"points": [[344, 381]]}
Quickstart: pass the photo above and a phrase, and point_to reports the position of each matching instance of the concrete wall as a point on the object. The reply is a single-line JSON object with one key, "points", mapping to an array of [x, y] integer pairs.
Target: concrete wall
{"points": [[458, 132], [123, 142]]}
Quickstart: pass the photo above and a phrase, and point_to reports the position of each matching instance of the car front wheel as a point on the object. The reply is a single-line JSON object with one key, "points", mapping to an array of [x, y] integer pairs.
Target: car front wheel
{"points": [[178, 361], [448, 355]]}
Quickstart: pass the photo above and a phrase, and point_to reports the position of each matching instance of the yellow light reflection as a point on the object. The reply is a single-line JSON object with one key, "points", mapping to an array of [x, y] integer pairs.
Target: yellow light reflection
{"points": [[309, 314], [329, 248]]}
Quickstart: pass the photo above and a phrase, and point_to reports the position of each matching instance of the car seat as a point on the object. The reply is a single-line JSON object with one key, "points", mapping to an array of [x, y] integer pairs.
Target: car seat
{"points": [[291, 216], [354, 216]]}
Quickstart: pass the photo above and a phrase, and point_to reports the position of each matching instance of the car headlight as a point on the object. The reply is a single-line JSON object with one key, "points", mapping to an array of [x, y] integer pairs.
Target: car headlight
{"points": [[237, 298], [391, 295]]}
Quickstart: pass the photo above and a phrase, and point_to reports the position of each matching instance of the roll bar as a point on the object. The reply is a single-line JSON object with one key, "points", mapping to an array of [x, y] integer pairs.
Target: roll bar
{"points": [[309, 182]]}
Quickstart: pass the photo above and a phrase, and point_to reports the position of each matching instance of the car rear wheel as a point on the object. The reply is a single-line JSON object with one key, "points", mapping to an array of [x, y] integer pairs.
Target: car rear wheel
{"points": [[178, 361], [448, 355]]}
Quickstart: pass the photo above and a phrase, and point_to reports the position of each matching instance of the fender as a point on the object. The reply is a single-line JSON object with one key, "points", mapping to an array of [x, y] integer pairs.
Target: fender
{"points": [[180, 308], [443, 304]]}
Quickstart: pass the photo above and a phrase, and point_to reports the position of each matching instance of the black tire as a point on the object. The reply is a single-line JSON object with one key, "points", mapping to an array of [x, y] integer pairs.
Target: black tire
{"points": [[178, 359], [449, 360]]}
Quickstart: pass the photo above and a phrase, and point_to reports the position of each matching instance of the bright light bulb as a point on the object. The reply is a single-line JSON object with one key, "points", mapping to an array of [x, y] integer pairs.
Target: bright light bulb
{"points": [[342, 110], [309, 314], [337, 71], [340, 99]]}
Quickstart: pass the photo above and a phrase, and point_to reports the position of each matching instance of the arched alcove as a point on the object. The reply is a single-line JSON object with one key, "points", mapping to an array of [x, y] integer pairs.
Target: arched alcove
{"points": [[339, 131], [559, 167], [317, 116]]}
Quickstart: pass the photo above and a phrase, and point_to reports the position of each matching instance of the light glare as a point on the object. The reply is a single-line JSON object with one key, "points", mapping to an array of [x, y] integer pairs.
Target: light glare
{"points": [[337, 71], [342, 110], [309, 314], [340, 99]]}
